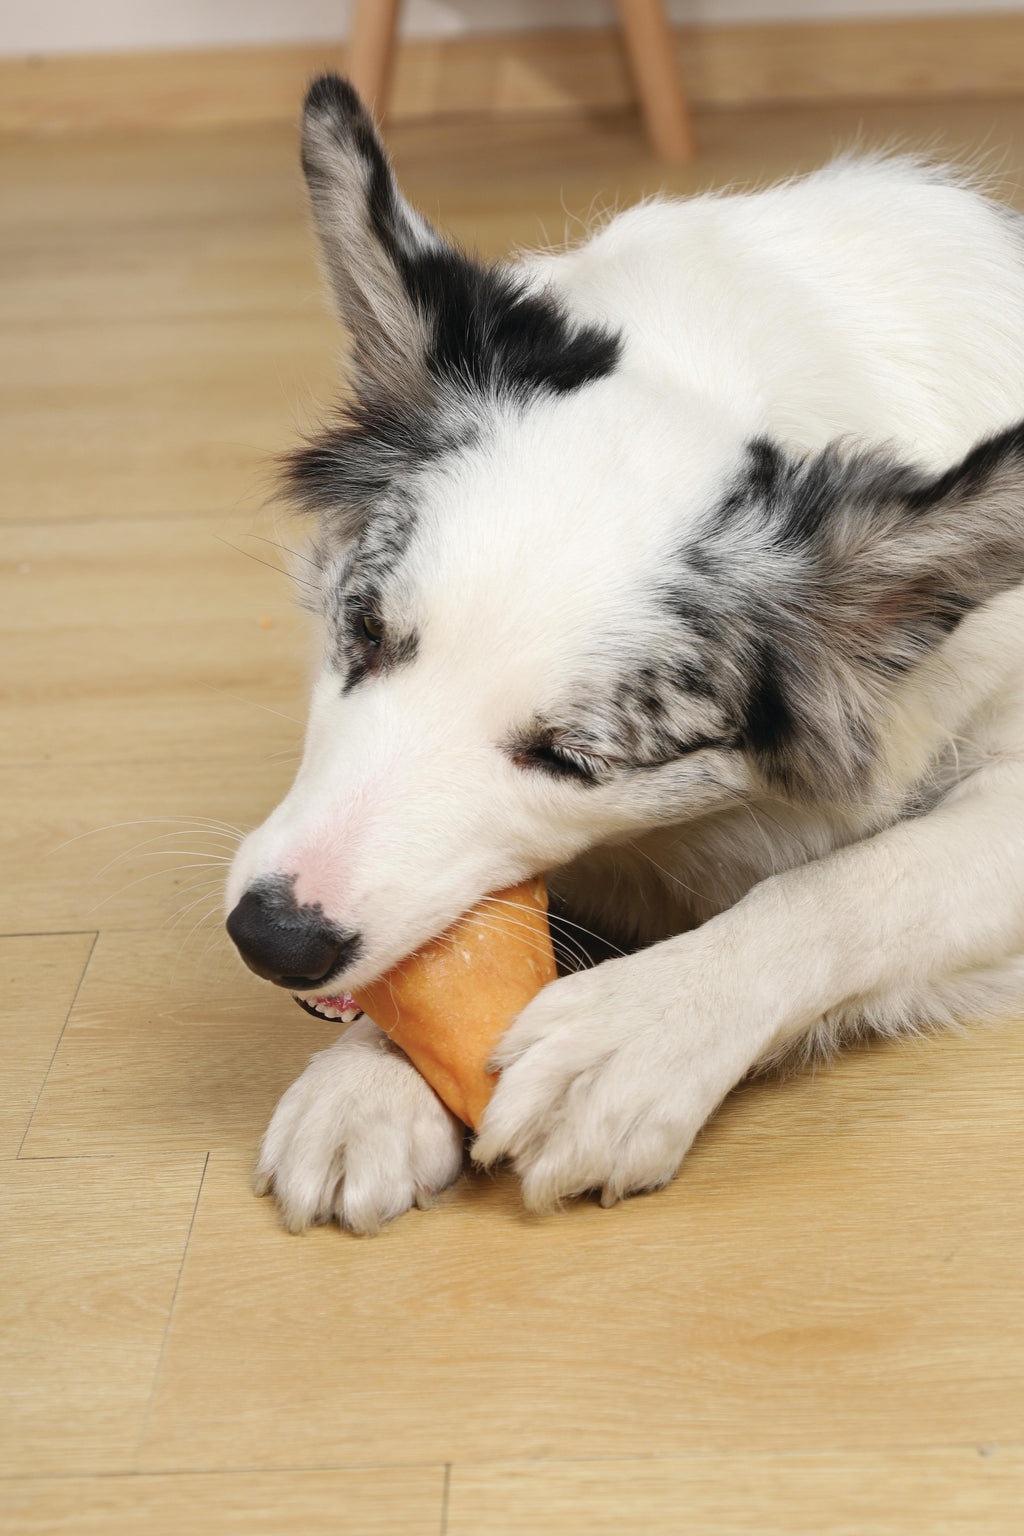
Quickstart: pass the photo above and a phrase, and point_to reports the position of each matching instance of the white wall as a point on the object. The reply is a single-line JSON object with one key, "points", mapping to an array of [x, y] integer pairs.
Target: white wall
{"points": [[71, 26]]}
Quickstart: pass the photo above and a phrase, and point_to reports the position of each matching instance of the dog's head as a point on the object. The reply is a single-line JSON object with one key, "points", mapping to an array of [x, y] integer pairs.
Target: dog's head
{"points": [[563, 601]]}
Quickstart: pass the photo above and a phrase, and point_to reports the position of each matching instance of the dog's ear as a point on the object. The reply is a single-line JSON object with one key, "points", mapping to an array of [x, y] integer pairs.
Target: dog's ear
{"points": [[368, 234], [875, 564], [430, 325]]}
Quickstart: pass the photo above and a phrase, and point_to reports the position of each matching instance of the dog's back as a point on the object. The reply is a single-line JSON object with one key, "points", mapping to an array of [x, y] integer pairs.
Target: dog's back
{"points": [[878, 298]]}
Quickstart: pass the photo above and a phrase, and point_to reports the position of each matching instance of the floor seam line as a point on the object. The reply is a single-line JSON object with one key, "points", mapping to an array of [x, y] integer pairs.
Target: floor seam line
{"points": [[144, 1426], [50, 933], [67, 1019], [445, 1491]]}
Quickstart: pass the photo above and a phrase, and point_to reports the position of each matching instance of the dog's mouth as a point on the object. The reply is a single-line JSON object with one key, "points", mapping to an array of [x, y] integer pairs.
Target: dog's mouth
{"points": [[343, 1007]]}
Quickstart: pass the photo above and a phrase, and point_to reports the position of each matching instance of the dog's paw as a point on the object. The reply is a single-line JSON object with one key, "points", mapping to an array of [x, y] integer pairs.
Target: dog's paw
{"points": [[358, 1138], [605, 1081]]}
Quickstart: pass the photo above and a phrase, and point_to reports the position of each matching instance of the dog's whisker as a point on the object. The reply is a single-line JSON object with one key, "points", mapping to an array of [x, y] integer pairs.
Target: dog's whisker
{"points": [[741, 799], [217, 935], [561, 921], [564, 945], [571, 954], [700, 895], [286, 548], [207, 859], [745, 805], [208, 912], [185, 853], [205, 919], [505, 920], [129, 853], [255, 704], [182, 912], [151, 821], [288, 575], [217, 878], [764, 837], [573, 959], [153, 875], [500, 927], [194, 885]]}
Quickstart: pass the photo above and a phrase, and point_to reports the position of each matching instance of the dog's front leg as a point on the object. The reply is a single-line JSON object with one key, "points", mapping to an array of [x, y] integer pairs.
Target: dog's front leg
{"points": [[608, 1075]]}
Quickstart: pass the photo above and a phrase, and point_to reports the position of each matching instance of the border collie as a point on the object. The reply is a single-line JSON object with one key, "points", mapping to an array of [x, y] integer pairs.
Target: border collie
{"points": [[688, 567]]}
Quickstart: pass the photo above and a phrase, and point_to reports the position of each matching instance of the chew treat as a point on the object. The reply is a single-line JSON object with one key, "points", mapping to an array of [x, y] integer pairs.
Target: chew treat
{"points": [[449, 1003]]}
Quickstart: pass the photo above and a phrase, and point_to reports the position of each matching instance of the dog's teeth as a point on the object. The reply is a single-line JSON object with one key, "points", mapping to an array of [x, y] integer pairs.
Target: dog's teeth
{"points": [[328, 1008]]}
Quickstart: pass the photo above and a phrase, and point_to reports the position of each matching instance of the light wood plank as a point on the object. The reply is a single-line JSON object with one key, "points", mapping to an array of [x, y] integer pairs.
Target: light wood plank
{"points": [[407, 1502], [963, 1491], [171, 1046], [92, 1251], [544, 72], [144, 227], [154, 418], [39, 975], [118, 665]]}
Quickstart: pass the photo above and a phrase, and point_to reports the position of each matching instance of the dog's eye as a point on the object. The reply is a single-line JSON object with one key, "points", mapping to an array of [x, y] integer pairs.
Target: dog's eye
{"points": [[371, 629], [561, 762]]}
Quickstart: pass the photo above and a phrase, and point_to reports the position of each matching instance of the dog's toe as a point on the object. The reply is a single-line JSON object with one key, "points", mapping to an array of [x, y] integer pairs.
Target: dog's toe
{"points": [[358, 1139]]}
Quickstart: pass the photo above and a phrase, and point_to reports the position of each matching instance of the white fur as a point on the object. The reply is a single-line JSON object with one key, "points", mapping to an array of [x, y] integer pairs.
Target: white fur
{"points": [[874, 301], [359, 1137]]}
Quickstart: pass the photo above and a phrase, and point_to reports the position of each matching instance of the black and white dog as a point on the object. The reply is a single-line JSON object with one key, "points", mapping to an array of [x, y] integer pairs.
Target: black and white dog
{"points": [[687, 567]]}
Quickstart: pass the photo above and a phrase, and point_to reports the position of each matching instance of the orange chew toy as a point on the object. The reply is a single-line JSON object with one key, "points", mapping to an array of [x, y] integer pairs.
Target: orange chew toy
{"points": [[449, 1003]]}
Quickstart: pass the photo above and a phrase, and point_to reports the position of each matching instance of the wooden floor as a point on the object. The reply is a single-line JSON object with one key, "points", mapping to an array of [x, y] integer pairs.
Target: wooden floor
{"points": [[818, 1329]]}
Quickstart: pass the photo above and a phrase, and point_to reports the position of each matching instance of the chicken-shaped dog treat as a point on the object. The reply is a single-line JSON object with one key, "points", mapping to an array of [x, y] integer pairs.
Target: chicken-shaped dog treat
{"points": [[449, 1003]]}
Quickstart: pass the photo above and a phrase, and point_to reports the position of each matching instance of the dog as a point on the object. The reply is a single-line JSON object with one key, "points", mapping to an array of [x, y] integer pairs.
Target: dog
{"points": [[686, 566]]}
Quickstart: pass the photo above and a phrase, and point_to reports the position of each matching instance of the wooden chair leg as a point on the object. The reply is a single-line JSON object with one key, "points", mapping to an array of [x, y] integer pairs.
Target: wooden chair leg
{"points": [[371, 51], [652, 58]]}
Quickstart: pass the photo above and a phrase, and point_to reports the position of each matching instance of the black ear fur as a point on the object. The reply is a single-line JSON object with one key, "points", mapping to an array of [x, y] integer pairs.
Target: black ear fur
{"points": [[365, 228], [479, 326], [431, 327]]}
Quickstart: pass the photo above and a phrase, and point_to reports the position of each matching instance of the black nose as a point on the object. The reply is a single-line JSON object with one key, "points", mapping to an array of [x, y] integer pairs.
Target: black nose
{"points": [[294, 946]]}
